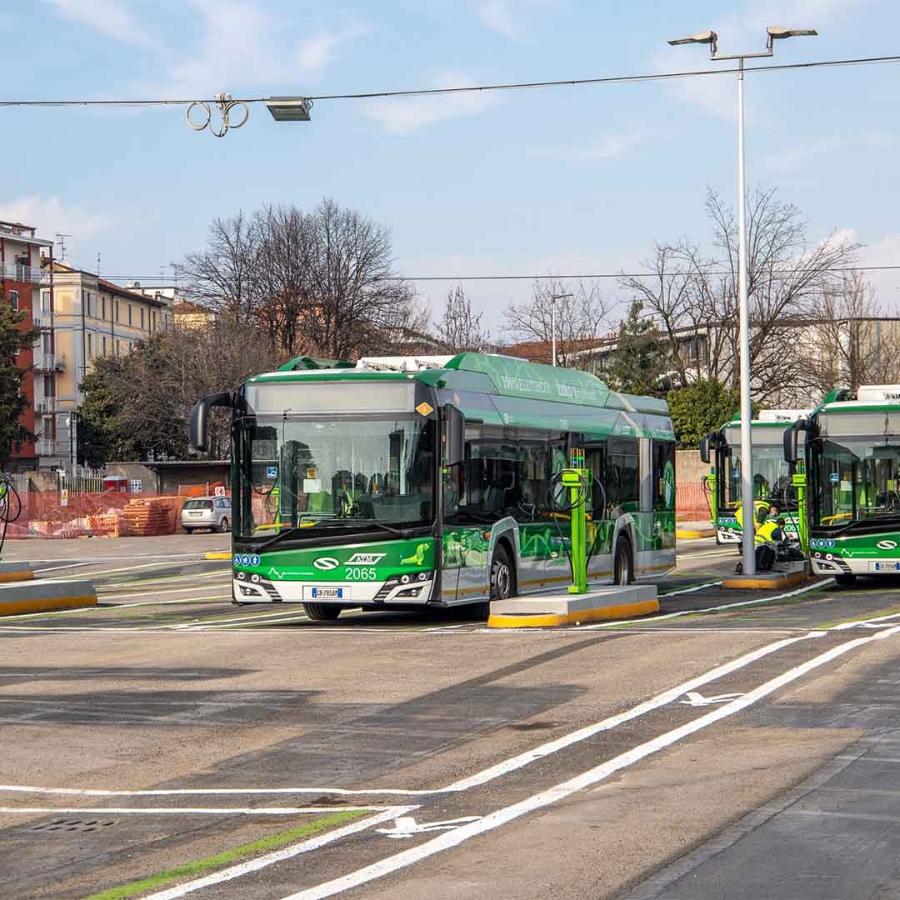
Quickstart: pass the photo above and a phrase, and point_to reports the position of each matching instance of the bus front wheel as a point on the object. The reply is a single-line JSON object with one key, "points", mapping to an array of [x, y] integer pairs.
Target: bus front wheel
{"points": [[322, 612], [624, 567], [503, 581], [845, 579]]}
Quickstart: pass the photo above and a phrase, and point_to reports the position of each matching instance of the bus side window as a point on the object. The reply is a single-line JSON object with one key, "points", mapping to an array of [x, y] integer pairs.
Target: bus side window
{"points": [[623, 475], [663, 474], [595, 460]]}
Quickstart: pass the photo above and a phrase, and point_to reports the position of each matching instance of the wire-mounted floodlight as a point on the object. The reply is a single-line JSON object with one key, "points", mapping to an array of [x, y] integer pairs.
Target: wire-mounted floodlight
{"points": [[704, 37], [289, 109], [778, 33]]}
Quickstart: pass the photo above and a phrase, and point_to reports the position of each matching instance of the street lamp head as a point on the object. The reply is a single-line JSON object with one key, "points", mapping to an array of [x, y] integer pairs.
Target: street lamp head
{"points": [[704, 37], [776, 34], [289, 109]]}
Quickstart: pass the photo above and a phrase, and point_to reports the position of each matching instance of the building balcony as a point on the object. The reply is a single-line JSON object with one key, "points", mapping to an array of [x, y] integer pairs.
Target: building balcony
{"points": [[48, 447], [41, 319], [49, 362], [45, 405], [15, 272]]}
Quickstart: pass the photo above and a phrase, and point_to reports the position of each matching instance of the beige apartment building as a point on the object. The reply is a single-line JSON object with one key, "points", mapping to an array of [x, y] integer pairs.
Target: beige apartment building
{"points": [[94, 318]]}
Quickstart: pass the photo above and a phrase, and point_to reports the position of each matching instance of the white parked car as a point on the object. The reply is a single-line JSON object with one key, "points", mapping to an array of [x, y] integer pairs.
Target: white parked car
{"points": [[213, 513]]}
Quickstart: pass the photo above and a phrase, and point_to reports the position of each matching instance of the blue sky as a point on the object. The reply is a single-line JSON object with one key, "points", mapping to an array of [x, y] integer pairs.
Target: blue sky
{"points": [[566, 180]]}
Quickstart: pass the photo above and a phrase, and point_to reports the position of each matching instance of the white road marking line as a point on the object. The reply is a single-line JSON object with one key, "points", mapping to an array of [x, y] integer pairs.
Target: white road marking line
{"points": [[503, 768], [574, 785], [407, 826], [261, 862], [695, 698], [688, 612], [40, 571], [187, 811], [111, 571], [654, 703], [150, 589], [193, 792], [105, 606], [692, 590], [221, 623], [867, 623]]}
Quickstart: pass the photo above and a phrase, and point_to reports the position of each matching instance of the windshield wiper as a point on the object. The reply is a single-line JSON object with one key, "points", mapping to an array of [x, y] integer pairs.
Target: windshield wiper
{"points": [[288, 532]]}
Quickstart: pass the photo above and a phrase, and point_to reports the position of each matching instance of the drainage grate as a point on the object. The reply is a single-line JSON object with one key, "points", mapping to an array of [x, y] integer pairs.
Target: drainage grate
{"points": [[73, 825]]}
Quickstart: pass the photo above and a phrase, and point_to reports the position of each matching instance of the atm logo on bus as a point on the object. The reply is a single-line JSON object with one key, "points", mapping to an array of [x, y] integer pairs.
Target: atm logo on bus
{"points": [[365, 559], [886, 545]]}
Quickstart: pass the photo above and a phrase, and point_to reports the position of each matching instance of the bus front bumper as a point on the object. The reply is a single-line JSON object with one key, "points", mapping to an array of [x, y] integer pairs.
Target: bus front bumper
{"points": [[406, 590]]}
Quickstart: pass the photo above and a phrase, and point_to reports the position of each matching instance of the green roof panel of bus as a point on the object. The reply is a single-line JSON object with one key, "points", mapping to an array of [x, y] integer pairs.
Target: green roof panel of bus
{"points": [[524, 394]]}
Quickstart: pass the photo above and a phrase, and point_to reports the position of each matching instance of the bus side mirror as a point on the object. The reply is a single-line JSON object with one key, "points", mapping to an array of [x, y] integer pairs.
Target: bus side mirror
{"points": [[199, 428], [704, 450], [792, 441], [454, 435]]}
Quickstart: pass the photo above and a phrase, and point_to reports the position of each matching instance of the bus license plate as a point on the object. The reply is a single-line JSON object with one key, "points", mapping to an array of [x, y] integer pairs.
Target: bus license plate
{"points": [[327, 593], [893, 566]]}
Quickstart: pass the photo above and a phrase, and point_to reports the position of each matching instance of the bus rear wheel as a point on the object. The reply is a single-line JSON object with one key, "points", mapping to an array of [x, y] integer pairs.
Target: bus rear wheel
{"points": [[623, 570], [846, 579], [322, 612]]}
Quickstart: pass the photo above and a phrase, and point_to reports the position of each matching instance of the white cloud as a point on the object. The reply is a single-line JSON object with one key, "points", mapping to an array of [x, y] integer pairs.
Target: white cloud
{"points": [[317, 51], [794, 158], [109, 17], [404, 115], [505, 16], [497, 15], [50, 216], [884, 252], [612, 146]]}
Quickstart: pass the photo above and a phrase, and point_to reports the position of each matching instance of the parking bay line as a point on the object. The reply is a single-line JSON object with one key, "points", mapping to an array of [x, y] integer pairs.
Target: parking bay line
{"points": [[188, 811], [486, 775], [649, 620], [268, 859], [450, 839]]}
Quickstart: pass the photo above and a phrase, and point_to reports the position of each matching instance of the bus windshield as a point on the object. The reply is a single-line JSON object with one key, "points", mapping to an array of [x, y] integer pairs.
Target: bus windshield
{"points": [[339, 473], [855, 480], [771, 476]]}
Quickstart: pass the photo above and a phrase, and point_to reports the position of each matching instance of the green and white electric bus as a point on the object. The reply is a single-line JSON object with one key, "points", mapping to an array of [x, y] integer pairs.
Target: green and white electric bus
{"points": [[425, 481], [852, 459], [771, 474]]}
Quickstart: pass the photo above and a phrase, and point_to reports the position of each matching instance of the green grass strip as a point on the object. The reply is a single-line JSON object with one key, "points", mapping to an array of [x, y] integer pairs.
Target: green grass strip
{"points": [[201, 866]]}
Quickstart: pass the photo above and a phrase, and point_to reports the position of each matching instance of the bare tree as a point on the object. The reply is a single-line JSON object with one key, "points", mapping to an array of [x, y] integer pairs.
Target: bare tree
{"points": [[848, 339], [223, 277], [581, 317], [459, 329], [694, 299]]}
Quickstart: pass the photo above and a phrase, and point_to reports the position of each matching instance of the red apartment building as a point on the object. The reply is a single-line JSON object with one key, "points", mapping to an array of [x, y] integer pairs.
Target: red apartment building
{"points": [[21, 287]]}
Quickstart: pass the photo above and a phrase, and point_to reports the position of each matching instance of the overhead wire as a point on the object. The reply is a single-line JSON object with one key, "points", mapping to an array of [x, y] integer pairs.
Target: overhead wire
{"points": [[467, 89]]}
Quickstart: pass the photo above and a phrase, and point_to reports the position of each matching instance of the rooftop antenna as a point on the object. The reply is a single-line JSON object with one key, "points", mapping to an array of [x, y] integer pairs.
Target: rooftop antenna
{"points": [[61, 240]]}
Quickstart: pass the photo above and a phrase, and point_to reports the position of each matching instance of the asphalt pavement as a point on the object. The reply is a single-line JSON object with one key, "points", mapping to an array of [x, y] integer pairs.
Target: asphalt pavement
{"points": [[168, 744]]}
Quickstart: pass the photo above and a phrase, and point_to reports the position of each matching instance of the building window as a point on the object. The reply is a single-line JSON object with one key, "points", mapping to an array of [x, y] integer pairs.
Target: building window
{"points": [[103, 308], [118, 348], [48, 386], [90, 338], [45, 301], [46, 342], [14, 299], [142, 318], [104, 345], [130, 321]]}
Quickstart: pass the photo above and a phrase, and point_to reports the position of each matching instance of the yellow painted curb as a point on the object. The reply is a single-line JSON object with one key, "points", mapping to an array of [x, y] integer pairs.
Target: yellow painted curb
{"points": [[693, 535], [212, 555], [12, 607], [554, 620], [752, 583], [10, 577]]}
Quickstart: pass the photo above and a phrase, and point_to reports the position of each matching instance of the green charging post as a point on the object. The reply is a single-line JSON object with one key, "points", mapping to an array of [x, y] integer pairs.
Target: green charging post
{"points": [[799, 481], [576, 479]]}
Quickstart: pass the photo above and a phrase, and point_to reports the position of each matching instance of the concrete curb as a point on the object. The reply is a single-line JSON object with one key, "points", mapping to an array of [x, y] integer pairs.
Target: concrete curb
{"points": [[217, 555], [15, 571], [554, 620], [694, 535], [767, 581], [46, 596]]}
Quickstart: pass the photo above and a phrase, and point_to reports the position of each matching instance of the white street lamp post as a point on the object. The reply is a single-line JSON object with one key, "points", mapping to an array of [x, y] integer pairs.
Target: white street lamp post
{"points": [[553, 299], [748, 517]]}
